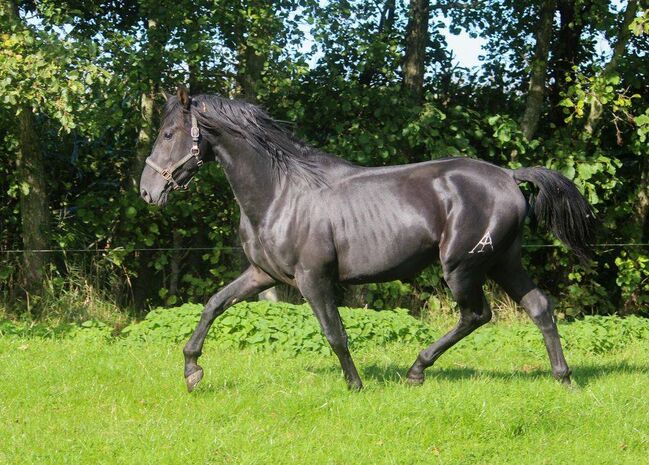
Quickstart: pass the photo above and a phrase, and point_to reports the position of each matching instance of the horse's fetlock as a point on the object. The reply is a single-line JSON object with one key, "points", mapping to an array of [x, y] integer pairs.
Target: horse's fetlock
{"points": [[562, 374], [190, 352]]}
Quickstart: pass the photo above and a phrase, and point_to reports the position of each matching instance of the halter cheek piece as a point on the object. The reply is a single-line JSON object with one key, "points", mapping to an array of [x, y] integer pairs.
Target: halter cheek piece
{"points": [[168, 172]]}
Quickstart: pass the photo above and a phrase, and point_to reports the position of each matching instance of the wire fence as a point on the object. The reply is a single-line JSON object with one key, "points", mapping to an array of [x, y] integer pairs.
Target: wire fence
{"points": [[209, 249]]}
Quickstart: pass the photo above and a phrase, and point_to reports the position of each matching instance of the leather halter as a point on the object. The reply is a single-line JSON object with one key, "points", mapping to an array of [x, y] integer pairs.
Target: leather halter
{"points": [[168, 172]]}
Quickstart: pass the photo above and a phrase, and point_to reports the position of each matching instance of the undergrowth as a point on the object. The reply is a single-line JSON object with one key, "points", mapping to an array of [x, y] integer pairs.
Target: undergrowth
{"points": [[74, 299], [283, 327]]}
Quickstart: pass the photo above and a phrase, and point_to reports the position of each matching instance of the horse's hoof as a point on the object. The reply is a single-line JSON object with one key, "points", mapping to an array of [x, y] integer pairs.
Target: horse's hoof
{"points": [[193, 379], [569, 385], [415, 380]]}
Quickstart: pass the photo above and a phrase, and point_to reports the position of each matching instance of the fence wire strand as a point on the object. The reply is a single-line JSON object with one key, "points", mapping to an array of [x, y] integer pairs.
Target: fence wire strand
{"points": [[209, 249]]}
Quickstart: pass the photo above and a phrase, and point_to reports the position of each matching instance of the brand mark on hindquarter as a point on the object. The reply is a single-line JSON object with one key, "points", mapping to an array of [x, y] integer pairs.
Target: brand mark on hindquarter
{"points": [[484, 242]]}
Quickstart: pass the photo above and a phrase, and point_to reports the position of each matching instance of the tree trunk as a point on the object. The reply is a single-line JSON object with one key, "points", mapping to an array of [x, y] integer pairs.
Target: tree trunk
{"points": [[641, 205], [34, 212], [144, 139], [251, 64], [414, 62], [195, 56], [195, 82], [175, 262], [566, 51], [534, 104], [30, 177], [152, 71], [623, 35]]}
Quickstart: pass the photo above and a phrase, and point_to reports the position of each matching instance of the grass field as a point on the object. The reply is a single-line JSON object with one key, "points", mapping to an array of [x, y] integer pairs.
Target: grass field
{"points": [[85, 400]]}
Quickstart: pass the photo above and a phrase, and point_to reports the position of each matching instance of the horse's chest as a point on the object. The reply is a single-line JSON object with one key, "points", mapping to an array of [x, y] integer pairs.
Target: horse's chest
{"points": [[272, 253]]}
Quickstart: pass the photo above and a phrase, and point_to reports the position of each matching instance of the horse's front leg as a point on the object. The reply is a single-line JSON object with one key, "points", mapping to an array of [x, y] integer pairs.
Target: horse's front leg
{"points": [[251, 282], [317, 288]]}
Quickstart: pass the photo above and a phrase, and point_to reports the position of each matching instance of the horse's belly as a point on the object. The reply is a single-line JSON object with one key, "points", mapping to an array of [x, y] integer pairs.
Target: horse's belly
{"points": [[372, 260]]}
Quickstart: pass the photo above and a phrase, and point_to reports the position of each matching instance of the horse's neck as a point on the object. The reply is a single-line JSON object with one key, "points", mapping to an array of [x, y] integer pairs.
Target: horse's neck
{"points": [[251, 178]]}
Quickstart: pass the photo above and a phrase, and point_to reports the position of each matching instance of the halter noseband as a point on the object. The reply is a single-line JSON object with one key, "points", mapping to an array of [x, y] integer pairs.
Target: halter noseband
{"points": [[168, 172]]}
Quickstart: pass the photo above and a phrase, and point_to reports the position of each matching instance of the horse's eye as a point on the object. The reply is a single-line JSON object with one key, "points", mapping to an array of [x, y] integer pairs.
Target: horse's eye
{"points": [[168, 135]]}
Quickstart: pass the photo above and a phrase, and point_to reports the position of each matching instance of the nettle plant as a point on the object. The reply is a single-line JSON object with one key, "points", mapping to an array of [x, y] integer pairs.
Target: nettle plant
{"points": [[280, 326]]}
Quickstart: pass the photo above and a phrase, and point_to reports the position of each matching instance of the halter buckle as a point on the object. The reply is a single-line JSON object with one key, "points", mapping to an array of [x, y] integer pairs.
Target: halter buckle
{"points": [[194, 132], [166, 174]]}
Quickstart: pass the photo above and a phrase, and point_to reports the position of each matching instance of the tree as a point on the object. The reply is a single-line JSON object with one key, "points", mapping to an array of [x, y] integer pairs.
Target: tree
{"points": [[536, 92], [375, 56], [151, 72], [609, 69], [30, 166], [414, 61], [567, 48]]}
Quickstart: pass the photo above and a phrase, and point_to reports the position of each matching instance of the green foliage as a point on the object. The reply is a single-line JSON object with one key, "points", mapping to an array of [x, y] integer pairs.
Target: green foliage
{"points": [[640, 25], [40, 70], [84, 68], [604, 334], [279, 326], [633, 278], [383, 296], [292, 329]]}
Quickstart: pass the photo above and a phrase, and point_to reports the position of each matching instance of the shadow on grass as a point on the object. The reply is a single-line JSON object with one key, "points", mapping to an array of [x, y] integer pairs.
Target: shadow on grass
{"points": [[583, 375]]}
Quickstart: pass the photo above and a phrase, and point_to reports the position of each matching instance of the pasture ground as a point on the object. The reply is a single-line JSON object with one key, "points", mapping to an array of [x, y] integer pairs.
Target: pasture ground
{"points": [[88, 400]]}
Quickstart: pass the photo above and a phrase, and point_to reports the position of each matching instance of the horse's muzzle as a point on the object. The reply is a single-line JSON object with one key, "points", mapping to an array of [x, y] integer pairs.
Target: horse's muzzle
{"points": [[160, 200], [145, 195]]}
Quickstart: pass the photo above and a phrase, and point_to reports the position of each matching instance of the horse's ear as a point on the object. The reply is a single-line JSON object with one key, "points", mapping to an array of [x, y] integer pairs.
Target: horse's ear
{"points": [[183, 97], [166, 95]]}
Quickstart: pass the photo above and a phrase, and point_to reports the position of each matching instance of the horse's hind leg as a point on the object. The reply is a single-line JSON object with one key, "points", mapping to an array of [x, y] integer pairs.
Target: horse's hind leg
{"points": [[519, 286], [474, 312], [251, 282]]}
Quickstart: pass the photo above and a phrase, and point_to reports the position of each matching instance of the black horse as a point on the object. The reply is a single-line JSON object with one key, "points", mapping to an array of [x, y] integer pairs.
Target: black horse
{"points": [[310, 219]]}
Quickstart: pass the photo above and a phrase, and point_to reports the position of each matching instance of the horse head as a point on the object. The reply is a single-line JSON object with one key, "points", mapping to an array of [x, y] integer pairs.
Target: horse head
{"points": [[177, 151]]}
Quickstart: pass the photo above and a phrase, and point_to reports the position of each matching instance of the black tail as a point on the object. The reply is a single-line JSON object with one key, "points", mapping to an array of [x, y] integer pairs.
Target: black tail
{"points": [[561, 208]]}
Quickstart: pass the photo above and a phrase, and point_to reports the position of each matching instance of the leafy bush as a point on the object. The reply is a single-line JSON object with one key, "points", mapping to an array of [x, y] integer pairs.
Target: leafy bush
{"points": [[633, 278], [293, 329], [280, 326], [601, 334]]}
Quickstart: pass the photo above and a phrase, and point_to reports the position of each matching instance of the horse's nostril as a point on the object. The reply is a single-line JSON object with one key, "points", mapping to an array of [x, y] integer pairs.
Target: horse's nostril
{"points": [[145, 195]]}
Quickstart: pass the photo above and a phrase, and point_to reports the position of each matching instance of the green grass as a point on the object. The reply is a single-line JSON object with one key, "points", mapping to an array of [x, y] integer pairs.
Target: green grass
{"points": [[86, 400]]}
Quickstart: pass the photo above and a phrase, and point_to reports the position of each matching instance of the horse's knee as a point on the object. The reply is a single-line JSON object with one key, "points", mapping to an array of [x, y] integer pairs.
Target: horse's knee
{"points": [[339, 345]]}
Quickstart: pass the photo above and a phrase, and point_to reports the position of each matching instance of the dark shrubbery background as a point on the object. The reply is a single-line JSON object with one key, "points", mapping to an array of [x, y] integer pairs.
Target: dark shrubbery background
{"points": [[87, 82]]}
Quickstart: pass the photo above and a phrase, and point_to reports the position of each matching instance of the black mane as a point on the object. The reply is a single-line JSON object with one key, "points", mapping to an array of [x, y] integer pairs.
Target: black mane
{"points": [[290, 157]]}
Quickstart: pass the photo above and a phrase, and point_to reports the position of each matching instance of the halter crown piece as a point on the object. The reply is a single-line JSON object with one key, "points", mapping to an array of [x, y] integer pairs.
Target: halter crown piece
{"points": [[168, 172]]}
